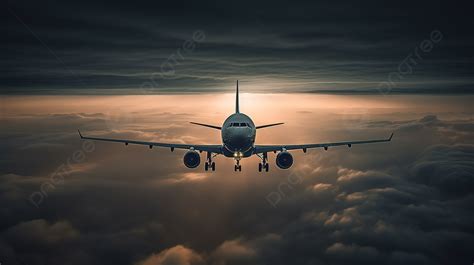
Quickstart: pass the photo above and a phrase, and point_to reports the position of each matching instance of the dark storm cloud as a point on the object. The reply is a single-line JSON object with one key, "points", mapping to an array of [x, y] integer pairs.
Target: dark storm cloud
{"points": [[406, 202], [81, 46], [388, 217]]}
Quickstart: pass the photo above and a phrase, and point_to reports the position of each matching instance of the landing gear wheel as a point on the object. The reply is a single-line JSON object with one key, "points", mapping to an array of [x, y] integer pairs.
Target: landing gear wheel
{"points": [[240, 168], [209, 163], [235, 167], [264, 164]]}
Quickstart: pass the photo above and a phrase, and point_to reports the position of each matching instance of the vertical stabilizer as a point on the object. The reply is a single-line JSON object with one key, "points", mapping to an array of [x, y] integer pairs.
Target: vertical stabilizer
{"points": [[237, 98]]}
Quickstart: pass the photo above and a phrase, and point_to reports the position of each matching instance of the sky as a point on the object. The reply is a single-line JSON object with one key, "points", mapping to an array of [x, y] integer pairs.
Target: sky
{"points": [[331, 71], [124, 47]]}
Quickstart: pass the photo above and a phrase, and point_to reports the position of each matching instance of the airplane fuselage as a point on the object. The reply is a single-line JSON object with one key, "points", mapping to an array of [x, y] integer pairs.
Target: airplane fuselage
{"points": [[238, 136]]}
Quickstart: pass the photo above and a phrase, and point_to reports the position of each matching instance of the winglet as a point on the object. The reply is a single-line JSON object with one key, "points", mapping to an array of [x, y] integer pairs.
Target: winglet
{"points": [[80, 133], [237, 98], [390, 138]]}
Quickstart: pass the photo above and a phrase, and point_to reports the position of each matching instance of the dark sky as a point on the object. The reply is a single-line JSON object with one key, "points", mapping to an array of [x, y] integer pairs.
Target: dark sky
{"points": [[129, 46]]}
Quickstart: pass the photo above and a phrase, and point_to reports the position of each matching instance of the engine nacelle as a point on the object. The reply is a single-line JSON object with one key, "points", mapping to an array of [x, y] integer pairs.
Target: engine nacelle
{"points": [[192, 159], [284, 160]]}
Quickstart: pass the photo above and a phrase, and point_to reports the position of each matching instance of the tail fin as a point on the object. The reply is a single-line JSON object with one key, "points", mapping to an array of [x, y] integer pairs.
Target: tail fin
{"points": [[237, 98]]}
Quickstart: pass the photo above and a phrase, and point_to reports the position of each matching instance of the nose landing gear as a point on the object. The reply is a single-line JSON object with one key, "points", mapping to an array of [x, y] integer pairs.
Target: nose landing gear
{"points": [[238, 166]]}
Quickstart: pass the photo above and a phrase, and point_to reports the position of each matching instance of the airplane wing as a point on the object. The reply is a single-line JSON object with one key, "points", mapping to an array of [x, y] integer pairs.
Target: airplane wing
{"points": [[206, 125], [269, 125], [217, 149], [273, 148]]}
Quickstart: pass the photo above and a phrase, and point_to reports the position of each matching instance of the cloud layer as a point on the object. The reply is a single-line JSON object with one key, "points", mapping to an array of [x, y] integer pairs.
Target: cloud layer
{"points": [[407, 202]]}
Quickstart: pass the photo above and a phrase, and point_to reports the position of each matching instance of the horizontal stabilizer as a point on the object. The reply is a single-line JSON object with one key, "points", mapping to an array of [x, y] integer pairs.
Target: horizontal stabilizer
{"points": [[207, 125], [269, 125]]}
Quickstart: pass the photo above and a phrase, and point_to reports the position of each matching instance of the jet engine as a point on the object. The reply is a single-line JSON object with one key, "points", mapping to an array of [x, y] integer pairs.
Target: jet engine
{"points": [[284, 160], [192, 159]]}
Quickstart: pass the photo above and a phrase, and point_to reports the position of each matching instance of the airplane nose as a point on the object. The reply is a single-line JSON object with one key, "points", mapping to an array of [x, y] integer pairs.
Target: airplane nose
{"points": [[239, 141], [239, 138]]}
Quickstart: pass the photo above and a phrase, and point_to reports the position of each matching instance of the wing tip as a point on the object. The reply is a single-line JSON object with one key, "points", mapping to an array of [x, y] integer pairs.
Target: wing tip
{"points": [[390, 138], [80, 134]]}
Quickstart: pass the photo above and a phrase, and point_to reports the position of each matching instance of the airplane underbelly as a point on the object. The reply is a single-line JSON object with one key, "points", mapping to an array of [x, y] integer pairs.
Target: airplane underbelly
{"points": [[227, 151], [238, 144]]}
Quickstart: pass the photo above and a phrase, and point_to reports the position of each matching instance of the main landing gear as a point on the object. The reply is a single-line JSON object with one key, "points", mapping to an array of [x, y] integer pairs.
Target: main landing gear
{"points": [[264, 165], [209, 163]]}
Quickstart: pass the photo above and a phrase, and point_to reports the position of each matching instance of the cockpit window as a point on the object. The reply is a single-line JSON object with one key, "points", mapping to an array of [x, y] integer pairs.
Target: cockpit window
{"points": [[237, 124]]}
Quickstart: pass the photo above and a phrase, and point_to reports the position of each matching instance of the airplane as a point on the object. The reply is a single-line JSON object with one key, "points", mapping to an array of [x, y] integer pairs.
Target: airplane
{"points": [[238, 141]]}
